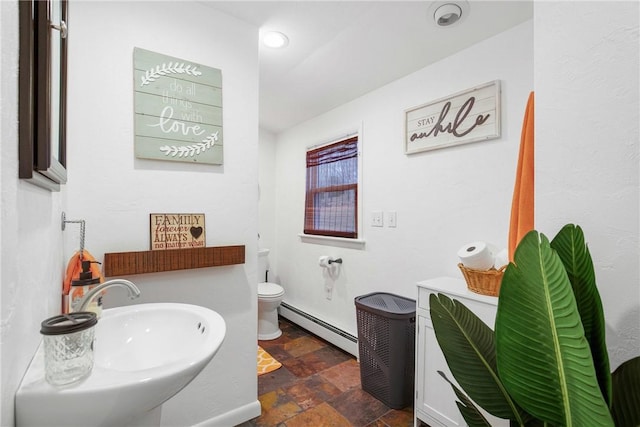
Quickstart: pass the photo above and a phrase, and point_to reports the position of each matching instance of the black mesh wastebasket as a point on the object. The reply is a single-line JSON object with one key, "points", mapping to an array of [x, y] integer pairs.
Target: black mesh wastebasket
{"points": [[386, 343]]}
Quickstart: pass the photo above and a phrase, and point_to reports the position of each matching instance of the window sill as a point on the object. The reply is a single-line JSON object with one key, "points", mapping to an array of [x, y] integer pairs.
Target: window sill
{"points": [[332, 241]]}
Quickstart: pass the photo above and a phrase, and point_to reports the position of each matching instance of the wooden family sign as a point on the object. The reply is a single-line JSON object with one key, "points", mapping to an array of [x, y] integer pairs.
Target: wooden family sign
{"points": [[178, 109], [177, 231], [467, 116]]}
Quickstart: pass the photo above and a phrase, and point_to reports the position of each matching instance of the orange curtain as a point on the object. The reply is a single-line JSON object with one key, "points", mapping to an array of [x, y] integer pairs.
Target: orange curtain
{"points": [[522, 205]]}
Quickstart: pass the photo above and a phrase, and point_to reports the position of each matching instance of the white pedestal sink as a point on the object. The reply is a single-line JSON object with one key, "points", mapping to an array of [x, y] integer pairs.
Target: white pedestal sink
{"points": [[144, 355]]}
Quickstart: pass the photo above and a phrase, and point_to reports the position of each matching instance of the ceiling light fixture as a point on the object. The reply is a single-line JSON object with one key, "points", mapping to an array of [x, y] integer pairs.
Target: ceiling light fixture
{"points": [[447, 14], [275, 39]]}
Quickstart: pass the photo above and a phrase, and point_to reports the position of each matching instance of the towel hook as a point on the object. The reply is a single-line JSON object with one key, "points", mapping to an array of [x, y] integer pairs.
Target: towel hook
{"points": [[65, 221]]}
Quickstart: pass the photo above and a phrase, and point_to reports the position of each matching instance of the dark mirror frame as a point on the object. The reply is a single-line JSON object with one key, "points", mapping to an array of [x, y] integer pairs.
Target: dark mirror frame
{"points": [[42, 159]]}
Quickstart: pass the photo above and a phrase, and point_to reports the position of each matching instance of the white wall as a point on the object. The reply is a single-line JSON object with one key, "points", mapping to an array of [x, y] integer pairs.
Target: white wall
{"points": [[587, 166], [267, 200], [115, 192], [443, 198], [587, 146], [32, 259]]}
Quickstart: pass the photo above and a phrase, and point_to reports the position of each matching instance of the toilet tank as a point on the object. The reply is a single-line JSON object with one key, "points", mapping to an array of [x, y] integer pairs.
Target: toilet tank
{"points": [[263, 264]]}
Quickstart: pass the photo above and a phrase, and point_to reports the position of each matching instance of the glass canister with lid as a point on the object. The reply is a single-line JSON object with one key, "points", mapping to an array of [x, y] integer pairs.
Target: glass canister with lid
{"points": [[68, 347]]}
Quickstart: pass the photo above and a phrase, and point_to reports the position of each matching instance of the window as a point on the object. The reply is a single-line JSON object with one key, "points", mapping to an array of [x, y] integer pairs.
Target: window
{"points": [[43, 93], [331, 205]]}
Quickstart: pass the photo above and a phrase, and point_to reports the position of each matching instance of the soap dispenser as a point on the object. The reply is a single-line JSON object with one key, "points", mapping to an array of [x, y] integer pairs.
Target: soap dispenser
{"points": [[83, 285]]}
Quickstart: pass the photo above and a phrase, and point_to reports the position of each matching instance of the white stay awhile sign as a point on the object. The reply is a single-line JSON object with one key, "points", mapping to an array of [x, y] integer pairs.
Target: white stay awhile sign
{"points": [[178, 109], [468, 116]]}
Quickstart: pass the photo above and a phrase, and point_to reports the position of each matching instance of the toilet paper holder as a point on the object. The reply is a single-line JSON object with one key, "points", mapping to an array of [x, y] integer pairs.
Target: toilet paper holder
{"points": [[327, 261]]}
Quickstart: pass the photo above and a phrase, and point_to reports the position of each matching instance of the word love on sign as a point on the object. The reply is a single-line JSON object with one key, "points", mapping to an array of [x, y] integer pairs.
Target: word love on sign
{"points": [[177, 231], [468, 116], [178, 109]]}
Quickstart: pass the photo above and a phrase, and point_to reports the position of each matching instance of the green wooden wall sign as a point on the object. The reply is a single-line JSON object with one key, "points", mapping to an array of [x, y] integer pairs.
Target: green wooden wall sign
{"points": [[178, 109]]}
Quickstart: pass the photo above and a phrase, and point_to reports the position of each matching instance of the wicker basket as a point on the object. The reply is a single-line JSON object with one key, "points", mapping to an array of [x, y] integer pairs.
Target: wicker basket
{"points": [[485, 282]]}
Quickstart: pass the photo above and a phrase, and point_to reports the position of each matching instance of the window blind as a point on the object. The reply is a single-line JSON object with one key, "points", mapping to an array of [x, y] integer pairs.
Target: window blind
{"points": [[332, 190]]}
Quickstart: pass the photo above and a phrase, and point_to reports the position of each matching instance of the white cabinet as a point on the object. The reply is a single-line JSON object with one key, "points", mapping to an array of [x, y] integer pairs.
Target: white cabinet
{"points": [[435, 402]]}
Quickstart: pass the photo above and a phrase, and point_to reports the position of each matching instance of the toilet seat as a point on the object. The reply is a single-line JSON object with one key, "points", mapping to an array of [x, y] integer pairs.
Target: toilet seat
{"points": [[270, 290]]}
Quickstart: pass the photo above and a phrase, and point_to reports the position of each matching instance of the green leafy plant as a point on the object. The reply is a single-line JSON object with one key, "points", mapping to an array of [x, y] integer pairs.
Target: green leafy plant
{"points": [[546, 364]]}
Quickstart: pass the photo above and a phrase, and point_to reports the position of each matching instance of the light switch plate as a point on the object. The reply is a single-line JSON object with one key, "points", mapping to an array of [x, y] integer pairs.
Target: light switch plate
{"points": [[392, 219], [376, 219]]}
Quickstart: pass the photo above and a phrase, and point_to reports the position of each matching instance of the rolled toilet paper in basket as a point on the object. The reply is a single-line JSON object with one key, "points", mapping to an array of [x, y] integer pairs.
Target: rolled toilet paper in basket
{"points": [[476, 255], [500, 259]]}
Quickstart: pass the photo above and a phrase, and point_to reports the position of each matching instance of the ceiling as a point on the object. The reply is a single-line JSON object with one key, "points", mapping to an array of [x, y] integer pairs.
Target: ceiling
{"points": [[340, 50]]}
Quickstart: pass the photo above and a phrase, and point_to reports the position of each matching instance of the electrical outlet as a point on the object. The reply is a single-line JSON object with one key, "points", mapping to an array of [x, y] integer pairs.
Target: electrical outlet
{"points": [[392, 219], [376, 219], [328, 291]]}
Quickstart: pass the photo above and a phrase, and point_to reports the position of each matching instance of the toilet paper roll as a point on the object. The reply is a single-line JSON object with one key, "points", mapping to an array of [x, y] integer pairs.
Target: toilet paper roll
{"points": [[476, 256], [500, 259], [324, 261], [493, 249]]}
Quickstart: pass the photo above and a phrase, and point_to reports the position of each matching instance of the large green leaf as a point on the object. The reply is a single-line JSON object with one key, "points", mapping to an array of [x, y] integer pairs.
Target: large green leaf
{"points": [[570, 245], [470, 413], [468, 345], [543, 357], [626, 394]]}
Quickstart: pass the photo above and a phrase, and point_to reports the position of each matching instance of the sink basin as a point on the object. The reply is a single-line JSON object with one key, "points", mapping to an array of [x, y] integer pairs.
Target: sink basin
{"points": [[143, 355], [156, 338]]}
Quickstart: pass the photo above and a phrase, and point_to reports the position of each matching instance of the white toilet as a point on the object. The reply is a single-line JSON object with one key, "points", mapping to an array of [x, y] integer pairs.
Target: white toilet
{"points": [[269, 299]]}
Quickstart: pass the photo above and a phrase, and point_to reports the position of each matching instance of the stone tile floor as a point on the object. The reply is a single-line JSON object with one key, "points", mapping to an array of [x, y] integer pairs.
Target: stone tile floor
{"points": [[318, 385]]}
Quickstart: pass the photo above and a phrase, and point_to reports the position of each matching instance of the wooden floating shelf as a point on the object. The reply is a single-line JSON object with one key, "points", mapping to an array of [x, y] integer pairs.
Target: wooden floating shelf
{"points": [[127, 263]]}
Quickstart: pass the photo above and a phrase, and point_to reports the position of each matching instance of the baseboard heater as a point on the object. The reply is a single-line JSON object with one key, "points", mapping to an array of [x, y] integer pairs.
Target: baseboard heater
{"points": [[324, 330]]}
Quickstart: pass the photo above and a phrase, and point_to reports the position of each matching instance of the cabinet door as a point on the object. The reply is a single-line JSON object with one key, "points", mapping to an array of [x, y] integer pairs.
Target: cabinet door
{"points": [[435, 400]]}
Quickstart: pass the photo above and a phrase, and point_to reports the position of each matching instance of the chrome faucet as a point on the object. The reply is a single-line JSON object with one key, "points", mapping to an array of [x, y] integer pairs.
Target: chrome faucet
{"points": [[83, 303]]}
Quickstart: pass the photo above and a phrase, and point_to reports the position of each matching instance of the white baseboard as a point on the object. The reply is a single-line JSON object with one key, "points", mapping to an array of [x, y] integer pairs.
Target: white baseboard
{"points": [[234, 417], [316, 327]]}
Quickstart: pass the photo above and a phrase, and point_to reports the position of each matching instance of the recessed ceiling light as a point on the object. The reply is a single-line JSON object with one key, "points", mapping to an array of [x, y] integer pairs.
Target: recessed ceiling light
{"points": [[448, 13], [275, 39]]}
